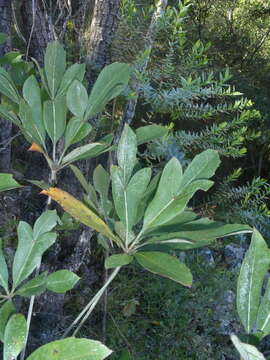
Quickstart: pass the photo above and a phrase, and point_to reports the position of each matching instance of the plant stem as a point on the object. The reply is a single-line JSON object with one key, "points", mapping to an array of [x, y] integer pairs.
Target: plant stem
{"points": [[105, 304], [91, 305], [28, 322]]}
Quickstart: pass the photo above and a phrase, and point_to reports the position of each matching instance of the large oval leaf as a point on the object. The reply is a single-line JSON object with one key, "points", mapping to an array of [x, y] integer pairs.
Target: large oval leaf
{"points": [[165, 265], [55, 65], [126, 152], [62, 281], [54, 115], [247, 352], [250, 280], [109, 84], [71, 349], [15, 336], [77, 99], [203, 166], [6, 311]]}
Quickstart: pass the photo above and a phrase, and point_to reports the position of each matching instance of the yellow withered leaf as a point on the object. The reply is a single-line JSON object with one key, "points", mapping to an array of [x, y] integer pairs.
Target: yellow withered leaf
{"points": [[79, 211]]}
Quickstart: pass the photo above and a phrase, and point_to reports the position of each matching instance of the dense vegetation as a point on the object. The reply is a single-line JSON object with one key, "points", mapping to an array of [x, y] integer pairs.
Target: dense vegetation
{"points": [[147, 129]]}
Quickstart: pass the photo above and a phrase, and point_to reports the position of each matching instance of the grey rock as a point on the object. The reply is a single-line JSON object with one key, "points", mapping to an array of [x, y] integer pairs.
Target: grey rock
{"points": [[234, 255]]}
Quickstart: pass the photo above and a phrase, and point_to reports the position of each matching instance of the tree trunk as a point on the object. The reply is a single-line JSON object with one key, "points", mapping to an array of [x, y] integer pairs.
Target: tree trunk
{"points": [[5, 126], [38, 29], [103, 26]]}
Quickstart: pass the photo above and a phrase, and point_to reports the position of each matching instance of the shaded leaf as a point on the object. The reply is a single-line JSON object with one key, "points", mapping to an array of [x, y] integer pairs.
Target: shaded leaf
{"points": [[34, 286], [71, 349], [263, 316], [7, 86], [148, 133], [203, 166], [77, 99], [62, 281], [165, 265], [15, 336], [32, 95], [75, 71], [45, 223], [7, 182], [250, 280], [117, 260], [126, 152], [29, 252], [76, 131], [55, 65], [85, 152], [6, 311], [3, 269], [54, 115], [247, 352], [109, 84]]}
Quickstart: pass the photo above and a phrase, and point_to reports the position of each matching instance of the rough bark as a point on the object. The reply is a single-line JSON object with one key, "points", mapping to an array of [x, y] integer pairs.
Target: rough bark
{"points": [[103, 26], [5, 126], [37, 27]]}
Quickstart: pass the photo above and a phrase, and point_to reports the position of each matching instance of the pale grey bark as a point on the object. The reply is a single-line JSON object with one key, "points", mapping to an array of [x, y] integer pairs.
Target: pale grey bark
{"points": [[38, 29], [5, 126], [103, 26]]}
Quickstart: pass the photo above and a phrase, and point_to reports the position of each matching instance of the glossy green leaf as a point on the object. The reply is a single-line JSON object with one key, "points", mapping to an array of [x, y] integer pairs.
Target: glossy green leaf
{"points": [[55, 65], [3, 269], [246, 351], [7, 86], [71, 349], [32, 95], [85, 152], [148, 133], [29, 252], [109, 84], [45, 223], [250, 280], [176, 206], [62, 281], [117, 260], [198, 232], [7, 182], [6, 311], [34, 286], [77, 99], [15, 336], [127, 198], [203, 166], [165, 265], [76, 131], [54, 115], [126, 152], [168, 189], [74, 72]]}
